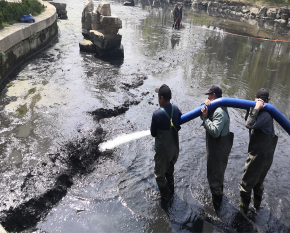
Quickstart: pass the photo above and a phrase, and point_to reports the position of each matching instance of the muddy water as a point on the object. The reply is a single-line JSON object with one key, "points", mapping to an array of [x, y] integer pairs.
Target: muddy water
{"points": [[63, 103]]}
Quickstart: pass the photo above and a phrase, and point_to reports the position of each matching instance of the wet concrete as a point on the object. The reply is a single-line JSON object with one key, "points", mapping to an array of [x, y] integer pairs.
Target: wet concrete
{"points": [[55, 179]]}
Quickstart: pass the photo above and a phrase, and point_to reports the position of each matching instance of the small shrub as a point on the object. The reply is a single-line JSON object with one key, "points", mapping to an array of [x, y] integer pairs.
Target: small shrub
{"points": [[11, 12]]}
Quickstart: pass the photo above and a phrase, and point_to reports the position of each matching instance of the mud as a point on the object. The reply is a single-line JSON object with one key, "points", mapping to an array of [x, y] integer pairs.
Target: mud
{"points": [[55, 179]]}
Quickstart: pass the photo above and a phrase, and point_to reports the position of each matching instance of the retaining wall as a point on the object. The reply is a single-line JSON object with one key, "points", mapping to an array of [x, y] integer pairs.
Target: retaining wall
{"points": [[21, 40]]}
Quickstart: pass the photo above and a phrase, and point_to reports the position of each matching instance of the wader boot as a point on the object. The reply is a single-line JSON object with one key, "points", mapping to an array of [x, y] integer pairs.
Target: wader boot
{"points": [[218, 150], [257, 199], [260, 157], [170, 181], [163, 188], [244, 205]]}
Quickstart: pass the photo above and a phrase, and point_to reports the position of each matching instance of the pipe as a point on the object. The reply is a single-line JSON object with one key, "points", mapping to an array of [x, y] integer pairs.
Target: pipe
{"points": [[237, 103]]}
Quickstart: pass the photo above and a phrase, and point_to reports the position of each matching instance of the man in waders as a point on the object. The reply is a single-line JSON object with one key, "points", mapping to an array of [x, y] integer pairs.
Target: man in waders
{"points": [[261, 150], [176, 17], [219, 141], [165, 127]]}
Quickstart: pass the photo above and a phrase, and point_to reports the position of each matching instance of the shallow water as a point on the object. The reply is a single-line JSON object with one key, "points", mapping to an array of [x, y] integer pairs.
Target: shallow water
{"points": [[118, 193]]}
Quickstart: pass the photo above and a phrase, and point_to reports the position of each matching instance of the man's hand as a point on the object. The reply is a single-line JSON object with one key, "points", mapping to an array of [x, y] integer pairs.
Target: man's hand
{"points": [[260, 104], [207, 102], [204, 111]]}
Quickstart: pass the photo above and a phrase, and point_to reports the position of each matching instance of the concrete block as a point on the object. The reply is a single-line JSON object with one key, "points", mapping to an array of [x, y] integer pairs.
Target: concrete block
{"points": [[105, 41], [88, 21], [61, 12], [96, 18], [110, 21], [254, 11], [272, 12], [104, 9], [89, 6], [58, 5], [2, 230]]}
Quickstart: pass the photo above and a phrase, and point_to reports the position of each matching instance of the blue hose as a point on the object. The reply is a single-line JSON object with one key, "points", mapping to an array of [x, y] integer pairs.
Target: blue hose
{"points": [[237, 103]]}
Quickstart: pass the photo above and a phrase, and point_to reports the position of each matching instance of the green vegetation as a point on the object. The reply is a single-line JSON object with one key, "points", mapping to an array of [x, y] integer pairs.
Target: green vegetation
{"points": [[31, 91], [44, 83], [11, 12], [22, 110], [35, 99], [9, 84]]}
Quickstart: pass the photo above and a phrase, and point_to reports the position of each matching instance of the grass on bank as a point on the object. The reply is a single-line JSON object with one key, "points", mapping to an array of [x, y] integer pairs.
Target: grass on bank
{"points": [[11, 12]]}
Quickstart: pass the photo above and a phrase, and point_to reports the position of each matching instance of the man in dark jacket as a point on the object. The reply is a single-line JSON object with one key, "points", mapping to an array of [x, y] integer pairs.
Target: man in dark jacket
{"points": [[165, 127], [261, 150], [219, 141], [176, 17]]}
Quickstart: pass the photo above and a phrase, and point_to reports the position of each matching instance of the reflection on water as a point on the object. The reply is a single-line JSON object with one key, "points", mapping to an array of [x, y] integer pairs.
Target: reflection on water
{"points": [[120, 194]]}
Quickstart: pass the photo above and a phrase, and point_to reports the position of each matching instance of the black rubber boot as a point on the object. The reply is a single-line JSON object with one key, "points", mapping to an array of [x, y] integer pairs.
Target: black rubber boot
{"points": [[170, 181], [217, 201], [244, 205], [257, 199], [163, 188]]}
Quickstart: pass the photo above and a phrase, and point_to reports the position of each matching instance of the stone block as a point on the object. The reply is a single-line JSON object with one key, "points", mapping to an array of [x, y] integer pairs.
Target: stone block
{"points": [[283, 10], [95, 19], [116, 52], [254, 11], [245, 11], [63, 16], [97, 26], [263, 12], [105, 41], [280, 20], [88, 21], [87, 46], [61, 12], [89, 6], [104, 9], [272, 12], [284, 16], [58, 5], [107, 21]]}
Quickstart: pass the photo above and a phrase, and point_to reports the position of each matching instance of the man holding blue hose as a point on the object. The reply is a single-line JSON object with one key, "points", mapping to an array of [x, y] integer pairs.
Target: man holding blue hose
{"points": [[165, 127], [219, 141], [261, 150]]}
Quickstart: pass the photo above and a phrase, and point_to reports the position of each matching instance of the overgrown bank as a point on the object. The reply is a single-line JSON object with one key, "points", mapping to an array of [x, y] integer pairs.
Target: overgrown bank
{"points": [[11, 12]]}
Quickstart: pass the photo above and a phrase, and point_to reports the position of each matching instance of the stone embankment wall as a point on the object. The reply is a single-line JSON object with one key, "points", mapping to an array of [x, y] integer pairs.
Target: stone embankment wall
{"points": [[21, 40], [237, 9]]}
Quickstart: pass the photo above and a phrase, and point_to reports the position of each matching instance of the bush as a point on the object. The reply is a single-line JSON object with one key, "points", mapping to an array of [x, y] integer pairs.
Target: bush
{"points": [[1, 20], [13, 11]]}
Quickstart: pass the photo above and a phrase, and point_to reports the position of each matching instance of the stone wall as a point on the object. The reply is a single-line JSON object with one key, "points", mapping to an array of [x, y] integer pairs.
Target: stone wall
{"points": [[21, 40], [279, 14]]}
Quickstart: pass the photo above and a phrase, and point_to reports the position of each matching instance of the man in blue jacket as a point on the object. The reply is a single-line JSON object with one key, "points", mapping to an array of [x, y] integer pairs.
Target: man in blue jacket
{"points": [[219, 141], [165, 127]]}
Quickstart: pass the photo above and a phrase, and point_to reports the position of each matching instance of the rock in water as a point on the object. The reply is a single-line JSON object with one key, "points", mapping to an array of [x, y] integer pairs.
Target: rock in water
{"points": [[87, 46], [104, 9], [101, 28]]}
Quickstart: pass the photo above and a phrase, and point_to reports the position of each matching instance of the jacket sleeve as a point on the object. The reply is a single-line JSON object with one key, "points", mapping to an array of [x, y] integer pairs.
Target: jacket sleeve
{"points": [[153, 128], [256, 120], [214, 127]]}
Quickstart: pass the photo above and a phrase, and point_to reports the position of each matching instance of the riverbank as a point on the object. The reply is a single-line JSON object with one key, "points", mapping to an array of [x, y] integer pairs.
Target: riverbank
{"points": [[21, 40]]}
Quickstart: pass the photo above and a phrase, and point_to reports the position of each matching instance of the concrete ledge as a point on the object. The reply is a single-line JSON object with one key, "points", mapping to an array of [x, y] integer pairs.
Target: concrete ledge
{"points": [[2, 230], [12, 35]]}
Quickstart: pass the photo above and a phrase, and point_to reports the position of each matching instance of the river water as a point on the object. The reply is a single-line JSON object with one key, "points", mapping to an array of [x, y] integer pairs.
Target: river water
{"points": [[56, 99]]}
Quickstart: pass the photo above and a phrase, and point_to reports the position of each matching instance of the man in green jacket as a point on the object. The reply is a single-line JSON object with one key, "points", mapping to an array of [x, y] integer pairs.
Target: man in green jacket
{"points": [[219, 141]]}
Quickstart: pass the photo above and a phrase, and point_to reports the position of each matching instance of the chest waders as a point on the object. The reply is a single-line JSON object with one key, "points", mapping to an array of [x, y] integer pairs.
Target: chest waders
{"points": [[260, 157], [167, 150], [217, 150]]}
